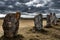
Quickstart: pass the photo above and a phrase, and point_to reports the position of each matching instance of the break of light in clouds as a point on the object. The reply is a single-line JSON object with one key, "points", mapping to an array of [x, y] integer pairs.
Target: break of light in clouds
{"points": [[37, 3]]}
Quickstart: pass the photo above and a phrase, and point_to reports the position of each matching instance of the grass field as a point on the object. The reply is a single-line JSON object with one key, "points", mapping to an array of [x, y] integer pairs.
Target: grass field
{"points": [[26, 30]]}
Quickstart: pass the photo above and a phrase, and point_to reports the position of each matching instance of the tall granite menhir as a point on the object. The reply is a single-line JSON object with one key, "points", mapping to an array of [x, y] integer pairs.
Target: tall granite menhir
{"points": [[54, 19], [11, 24], [48, 25], [38, 21]]}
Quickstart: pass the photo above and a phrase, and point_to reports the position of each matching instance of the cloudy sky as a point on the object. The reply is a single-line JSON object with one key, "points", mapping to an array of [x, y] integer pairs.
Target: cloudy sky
{"points": [[31, 5]]}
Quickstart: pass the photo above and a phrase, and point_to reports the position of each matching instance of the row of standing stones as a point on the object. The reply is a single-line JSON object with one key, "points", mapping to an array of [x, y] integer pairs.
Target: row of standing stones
{"points": [[11, 23], [51, 20]]}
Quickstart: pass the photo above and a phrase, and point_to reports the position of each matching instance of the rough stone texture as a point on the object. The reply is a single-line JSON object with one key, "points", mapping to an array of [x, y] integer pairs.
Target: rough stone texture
{"points": [[38, 22], [51, 17], [11, 24], [48, 21], [54, 19]]}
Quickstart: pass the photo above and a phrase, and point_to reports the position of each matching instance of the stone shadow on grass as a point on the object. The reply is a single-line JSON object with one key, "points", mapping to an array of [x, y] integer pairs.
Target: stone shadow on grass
{"points": [[43, 31], [18, 37], [56, 28], [48, 26], [56, 36], [33, 39]]}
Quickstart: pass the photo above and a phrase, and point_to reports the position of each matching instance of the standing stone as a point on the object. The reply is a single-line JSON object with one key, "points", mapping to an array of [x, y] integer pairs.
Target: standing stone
{"points": [[51, 17], [11, 24], [38, 22], [54, 19], [48, 22]]}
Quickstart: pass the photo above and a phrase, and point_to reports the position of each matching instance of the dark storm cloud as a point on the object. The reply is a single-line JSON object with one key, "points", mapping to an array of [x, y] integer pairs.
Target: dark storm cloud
{"points": [[56, 4], [24, 1], [34, 5]]}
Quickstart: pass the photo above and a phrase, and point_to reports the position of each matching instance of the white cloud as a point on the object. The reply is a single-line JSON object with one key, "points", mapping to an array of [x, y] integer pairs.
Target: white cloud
{"points": [[37, 3], [17, 3], [29, 3], [5, 0], [10, 6], [51, 3], [2, 3], [54, 10]]}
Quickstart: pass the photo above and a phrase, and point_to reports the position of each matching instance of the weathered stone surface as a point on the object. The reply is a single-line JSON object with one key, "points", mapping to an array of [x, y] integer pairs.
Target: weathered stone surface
{"points": [[48, 21], [54, 19], [38, 22], [51, 17], [11, 24]]}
